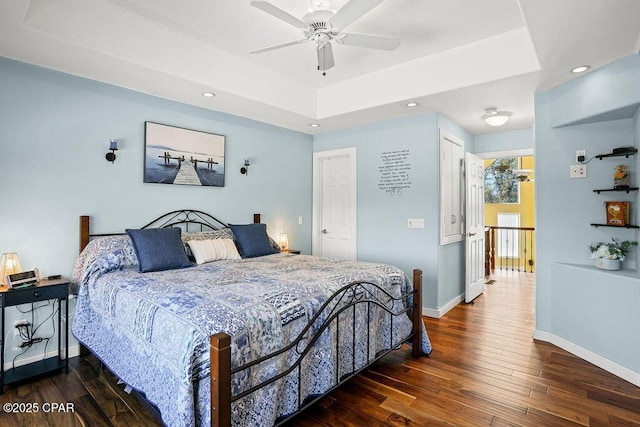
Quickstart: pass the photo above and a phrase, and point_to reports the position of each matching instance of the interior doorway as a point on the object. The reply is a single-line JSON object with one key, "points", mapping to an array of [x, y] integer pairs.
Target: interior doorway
{"points": [[510, 211]]}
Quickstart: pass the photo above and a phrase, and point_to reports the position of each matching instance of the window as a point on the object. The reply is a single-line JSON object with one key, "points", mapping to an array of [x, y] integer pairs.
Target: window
{"points": [[508, 240], [501, 181]]}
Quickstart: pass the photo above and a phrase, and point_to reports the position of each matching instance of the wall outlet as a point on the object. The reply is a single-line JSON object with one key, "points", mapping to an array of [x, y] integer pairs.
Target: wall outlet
{"points": [[300, 220], [581, 156], [578, 171], [21, 322]]}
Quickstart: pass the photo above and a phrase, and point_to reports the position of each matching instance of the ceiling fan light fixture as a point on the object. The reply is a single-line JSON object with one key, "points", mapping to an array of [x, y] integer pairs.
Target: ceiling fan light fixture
{"points": [[495, 118]]}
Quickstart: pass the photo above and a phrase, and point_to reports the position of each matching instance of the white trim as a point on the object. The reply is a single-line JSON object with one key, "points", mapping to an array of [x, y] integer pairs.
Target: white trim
{"points": [[317, 197], [600, 361], [74, 351], [438, 313], [523, 152]]}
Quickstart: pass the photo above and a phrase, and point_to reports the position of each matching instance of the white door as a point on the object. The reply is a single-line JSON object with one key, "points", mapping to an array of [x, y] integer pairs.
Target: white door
{"points": [[334, 201], [474, 226]]}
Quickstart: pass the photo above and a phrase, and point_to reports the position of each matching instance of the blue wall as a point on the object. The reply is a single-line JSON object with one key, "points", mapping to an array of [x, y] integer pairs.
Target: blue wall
{"points": [[585, 308], [55, 131], [383, 235], [504, 141]]}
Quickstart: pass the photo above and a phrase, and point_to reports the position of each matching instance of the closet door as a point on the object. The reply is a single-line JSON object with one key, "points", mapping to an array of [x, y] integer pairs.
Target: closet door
{"points": [[451, 167]]}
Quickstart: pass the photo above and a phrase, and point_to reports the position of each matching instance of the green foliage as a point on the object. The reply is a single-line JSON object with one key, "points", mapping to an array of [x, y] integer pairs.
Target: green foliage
{"points": [[611, 250], [500, 183]]}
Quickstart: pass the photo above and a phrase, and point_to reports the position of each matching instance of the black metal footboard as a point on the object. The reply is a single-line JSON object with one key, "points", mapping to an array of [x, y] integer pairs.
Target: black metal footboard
{"points": [[353, 303]]}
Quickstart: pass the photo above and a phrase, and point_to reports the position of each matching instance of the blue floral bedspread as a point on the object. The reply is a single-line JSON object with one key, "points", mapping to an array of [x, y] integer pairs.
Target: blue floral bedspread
{"points": [[152, 329]]}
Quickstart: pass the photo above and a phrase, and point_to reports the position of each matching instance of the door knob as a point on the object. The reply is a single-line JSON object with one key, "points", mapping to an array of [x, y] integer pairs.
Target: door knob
{"points": [[471, 234], [324, 231]]}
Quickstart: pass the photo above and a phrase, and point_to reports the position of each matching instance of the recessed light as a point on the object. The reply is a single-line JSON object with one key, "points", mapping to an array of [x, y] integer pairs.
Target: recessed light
{"points": [[412, 104], [208, 94], [314, 125], [581, 69]]}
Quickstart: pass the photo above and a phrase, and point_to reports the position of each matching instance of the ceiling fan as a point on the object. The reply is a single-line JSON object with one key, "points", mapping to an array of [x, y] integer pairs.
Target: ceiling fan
{"points": [[511, 174], [322, 26]]}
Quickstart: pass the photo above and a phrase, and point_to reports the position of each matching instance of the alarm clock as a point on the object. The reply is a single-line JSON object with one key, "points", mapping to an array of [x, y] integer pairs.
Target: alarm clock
{"points": [[26, 278]]}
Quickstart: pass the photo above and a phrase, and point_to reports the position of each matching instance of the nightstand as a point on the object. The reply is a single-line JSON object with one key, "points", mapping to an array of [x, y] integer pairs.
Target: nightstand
{"points": [[43, 291], [291, 251]]}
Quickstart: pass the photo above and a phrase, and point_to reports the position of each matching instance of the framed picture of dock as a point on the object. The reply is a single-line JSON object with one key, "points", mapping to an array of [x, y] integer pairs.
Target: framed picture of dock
{"points": [[174, 155]]}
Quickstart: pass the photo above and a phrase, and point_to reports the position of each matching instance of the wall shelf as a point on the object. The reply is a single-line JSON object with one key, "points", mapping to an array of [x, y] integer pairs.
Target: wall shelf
{"points": [[630, 152], [627, 189], [615, 226]]}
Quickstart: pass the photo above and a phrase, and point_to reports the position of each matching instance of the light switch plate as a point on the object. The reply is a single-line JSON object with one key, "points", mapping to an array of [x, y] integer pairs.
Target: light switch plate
{"points": [[416, 223]]}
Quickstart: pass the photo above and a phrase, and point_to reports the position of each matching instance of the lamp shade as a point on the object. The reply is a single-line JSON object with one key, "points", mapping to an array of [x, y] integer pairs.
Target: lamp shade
{"points": [[10, 264], [284, 241]]}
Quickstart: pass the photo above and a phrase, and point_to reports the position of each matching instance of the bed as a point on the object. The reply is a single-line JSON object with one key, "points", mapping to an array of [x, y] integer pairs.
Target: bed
{"points": [[245, 342]]}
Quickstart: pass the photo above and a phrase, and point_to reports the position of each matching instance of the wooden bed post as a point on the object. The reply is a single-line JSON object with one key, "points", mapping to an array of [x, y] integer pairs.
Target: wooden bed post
{"points": [[417, 314], [220, 355], [84, 232]]}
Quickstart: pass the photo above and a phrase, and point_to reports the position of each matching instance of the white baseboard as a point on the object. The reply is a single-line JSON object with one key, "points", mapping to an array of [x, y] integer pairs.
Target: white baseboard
{"points": [[74, 350], [600, 361], [438, 313]]}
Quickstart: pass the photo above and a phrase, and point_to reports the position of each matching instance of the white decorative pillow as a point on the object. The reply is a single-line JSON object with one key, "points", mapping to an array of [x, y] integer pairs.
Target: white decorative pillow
{"points": [[213, 250]]}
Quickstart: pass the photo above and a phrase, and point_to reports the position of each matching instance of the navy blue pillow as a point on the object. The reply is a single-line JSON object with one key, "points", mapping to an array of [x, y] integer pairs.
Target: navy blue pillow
{"points": [[159, 249], [252, 240]]}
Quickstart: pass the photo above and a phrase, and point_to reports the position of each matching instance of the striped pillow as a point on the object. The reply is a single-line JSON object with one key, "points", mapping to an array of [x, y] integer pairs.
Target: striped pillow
{"points": [[213, 250]]}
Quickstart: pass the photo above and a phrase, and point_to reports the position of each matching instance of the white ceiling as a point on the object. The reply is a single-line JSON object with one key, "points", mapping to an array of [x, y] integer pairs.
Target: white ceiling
{"points": [[456, 57]]}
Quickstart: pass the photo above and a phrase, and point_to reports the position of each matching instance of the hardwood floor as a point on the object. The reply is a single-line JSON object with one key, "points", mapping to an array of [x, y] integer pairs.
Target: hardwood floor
{"points": [[485, 370]]}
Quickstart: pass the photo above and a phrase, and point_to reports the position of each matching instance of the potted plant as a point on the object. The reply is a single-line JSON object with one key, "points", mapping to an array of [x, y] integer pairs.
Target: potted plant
{"points": [[609, 255]]}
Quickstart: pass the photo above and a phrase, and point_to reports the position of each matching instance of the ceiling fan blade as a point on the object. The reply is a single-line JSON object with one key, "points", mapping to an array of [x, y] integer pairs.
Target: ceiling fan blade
{"points": [[278, 46], [265, 6], [523, 171], [366, 40], [351, 11], [325, 57]]}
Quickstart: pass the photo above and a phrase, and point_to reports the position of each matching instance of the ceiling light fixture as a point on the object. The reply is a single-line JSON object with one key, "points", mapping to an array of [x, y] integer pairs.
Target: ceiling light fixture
{"points": [[412, 104], [208, 94], [493, 117], [581, 69], [314, 125]]}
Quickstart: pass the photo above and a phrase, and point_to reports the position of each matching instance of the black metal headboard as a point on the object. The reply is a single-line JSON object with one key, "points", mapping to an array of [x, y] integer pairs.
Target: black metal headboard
{"points": [[192, 220], [187, 219]]}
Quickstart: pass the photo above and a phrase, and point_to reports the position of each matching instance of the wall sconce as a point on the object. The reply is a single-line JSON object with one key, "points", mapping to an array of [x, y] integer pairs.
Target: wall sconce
{"points": [[245, 169], [10, 264], [284, 242], [113, 146]]}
